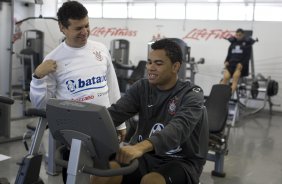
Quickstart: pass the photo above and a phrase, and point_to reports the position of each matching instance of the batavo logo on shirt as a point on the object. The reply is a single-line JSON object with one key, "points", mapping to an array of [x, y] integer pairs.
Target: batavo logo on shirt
{"points": [[75, 86]]}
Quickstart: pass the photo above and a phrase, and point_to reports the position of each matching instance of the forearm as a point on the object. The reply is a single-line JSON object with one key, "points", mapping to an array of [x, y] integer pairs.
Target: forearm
{"points": [[144, 146], [128, 153], [40, 91]]}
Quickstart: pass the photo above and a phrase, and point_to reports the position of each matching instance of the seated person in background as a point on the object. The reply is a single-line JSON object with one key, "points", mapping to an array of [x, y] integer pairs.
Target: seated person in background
{"points": [[78, 69], [171, 140], [238, 56]]}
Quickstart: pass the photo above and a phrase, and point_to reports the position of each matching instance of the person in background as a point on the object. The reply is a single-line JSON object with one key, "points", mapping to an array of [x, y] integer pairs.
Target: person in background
{"points": [[78, 69], [171, 140], [238, 56]]}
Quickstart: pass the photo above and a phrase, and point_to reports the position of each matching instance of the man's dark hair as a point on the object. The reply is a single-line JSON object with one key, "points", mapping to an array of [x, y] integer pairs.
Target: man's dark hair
{"points": [[240, 30], [172, 49], [71, 10]]}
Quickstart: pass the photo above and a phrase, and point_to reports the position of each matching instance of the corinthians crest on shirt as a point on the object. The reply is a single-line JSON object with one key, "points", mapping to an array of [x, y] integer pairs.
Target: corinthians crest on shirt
{"points": [[98, 55], [172, 106]]}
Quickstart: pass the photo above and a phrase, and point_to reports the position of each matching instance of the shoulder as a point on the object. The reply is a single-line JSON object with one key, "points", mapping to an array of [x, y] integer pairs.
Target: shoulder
{"points": [[139, 87], [97, 45], [191, 90], [189, 86], [58, 50], [140, 84]]}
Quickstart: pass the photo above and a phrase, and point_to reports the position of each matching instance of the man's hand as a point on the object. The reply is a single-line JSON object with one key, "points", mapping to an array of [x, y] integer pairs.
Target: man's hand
{"points": [[127, 153], [239, 66], [121, 134], [45, 68], [226, 63]]}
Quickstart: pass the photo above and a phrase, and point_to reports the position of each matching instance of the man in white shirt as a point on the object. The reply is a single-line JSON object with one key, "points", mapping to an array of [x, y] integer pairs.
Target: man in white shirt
{"points": [[78, 69]]}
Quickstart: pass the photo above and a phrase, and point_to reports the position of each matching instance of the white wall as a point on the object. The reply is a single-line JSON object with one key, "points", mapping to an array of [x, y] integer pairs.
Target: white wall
{"points": [[207, 42]]}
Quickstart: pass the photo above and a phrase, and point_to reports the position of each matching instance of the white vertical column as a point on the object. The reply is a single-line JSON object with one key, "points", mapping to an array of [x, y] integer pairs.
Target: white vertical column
{"points": [[5, 44]]}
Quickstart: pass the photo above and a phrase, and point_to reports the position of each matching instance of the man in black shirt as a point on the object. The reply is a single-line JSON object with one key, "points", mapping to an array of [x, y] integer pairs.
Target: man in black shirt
{"points": [[238, 56], [171, 140]]}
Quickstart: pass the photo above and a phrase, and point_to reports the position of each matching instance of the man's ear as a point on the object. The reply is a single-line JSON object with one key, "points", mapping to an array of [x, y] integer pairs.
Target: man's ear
{"points": [[176, 66], [61, 27]]}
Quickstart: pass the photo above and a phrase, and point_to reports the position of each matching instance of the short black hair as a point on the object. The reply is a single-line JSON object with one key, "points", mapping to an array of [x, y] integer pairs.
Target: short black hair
{"points": [[240, 30], [172, 49], [71, 10]]}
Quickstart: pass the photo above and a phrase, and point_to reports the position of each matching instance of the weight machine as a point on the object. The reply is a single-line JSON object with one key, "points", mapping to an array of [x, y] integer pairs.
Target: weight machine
{"points": [[120, 57], [30, 57], [251, 89]]}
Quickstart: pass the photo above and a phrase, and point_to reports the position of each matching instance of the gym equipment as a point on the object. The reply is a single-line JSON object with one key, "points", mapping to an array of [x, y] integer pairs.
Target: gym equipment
{"points": [[193, 68], [120, 55], [259, 89], [138, 72], [251, 89], [217, 108], [30, 165], [30, 57], [5, 120], [186, 59], [88, 130], [254, 89]]}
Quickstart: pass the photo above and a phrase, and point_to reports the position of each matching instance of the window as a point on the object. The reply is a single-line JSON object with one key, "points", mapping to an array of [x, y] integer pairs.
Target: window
{"points": [[94, 10], [201, 11], [264, 12], [238, 11], [242, 10], [141, 10], [115, 10], [170, 11]]}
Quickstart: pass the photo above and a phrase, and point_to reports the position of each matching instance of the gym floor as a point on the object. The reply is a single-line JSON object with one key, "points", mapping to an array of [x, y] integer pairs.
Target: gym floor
{"points": [[254, 156]]}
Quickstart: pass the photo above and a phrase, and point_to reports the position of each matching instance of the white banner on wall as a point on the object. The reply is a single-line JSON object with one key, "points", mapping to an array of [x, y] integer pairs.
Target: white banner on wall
{"points": [[206, 39]]}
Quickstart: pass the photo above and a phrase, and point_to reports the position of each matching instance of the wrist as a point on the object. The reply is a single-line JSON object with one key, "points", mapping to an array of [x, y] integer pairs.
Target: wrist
{"points": [[37, 76], [144, 146]]}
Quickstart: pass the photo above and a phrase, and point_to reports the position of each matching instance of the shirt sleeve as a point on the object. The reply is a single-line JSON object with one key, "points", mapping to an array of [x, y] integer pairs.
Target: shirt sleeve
{"points": [[247, 55], [126, 107], [41, 90], [181, 126], [114, 92], [228, 54]]}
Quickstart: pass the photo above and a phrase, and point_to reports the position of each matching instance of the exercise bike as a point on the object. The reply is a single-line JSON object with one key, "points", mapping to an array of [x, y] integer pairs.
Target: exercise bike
{"points": [[87, 129]]}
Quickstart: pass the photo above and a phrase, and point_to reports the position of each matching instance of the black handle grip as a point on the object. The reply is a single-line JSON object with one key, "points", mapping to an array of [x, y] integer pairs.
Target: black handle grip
{"points": [[112, 172], [6, 100], [104, 172], [36, 112]]}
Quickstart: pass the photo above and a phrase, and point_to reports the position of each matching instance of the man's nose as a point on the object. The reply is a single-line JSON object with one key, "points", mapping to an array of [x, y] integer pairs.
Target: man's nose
{"points": [[84, 31]]}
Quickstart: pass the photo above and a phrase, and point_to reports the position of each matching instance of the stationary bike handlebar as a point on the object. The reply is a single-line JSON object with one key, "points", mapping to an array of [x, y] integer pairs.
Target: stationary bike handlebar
{"points": [[36, 112], [6, 100], [104, 172], [112, 172]]}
